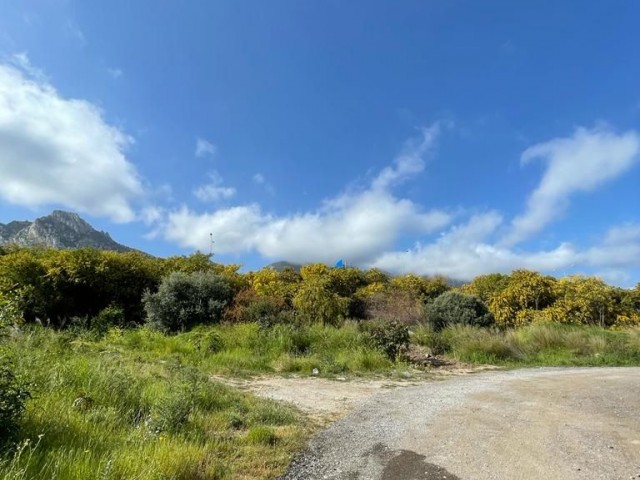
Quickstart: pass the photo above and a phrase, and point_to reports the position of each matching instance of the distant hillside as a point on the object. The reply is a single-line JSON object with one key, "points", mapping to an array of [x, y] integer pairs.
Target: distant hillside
{"points": [[58, 230], [280, 266]]}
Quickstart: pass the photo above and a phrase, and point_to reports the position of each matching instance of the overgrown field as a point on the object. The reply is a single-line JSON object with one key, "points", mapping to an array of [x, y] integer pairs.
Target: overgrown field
{"points": [[107, 359], [113, 409], [140, 404], [535, 345]]}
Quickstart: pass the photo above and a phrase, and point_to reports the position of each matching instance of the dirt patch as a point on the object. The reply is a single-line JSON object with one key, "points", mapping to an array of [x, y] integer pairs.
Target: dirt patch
{"points": [[324, 399], [330, 399]]}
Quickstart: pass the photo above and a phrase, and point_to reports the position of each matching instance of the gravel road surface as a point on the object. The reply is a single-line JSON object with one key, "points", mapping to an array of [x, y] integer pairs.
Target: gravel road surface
{"points": [[548, 423]]}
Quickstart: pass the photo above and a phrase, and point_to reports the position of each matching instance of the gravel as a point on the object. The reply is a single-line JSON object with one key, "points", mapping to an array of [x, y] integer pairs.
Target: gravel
{"points": [[551, 423]]}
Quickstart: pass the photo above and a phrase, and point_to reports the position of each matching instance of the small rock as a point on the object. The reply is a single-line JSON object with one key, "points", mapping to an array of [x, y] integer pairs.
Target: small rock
{"points": [[315, 372], [83, 403]]}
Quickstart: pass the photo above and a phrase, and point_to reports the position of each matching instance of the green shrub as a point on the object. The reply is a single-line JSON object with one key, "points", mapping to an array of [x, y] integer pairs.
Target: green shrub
{"points": [[9, 312], [438, 343], [315, 302], [209, 342], [184, 300], [12, 404], [389, 337], [455, 308], [109, 317]]}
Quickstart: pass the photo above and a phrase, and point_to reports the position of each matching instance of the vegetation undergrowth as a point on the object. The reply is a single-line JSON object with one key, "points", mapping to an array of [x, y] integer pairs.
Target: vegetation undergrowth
{"points": [[107, 359], [111, 409], [249, 349], [535, 345]]}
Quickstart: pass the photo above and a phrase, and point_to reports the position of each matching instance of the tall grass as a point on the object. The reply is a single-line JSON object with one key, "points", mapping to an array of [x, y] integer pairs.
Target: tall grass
{"points": [[247, 349], [101, 410], [535, 345], [138, 404]]}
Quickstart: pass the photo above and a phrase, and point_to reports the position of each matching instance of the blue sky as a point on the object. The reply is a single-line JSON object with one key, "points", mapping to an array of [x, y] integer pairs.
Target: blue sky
{"points": [[416, 136]]}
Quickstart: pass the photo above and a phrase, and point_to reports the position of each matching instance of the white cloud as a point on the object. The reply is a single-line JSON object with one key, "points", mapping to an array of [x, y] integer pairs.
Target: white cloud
{"points": [[115, 73], [409, 162], [362, 225], [579, 163], [355, 225], [55, 150], [151, 214], [466, 251], [205, 148], [214, 190]]}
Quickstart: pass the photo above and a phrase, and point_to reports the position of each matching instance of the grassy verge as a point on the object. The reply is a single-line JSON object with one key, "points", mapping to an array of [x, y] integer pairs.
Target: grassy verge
{"points": [[100, 410], [535, 345], [246, 349], [138, 404]]}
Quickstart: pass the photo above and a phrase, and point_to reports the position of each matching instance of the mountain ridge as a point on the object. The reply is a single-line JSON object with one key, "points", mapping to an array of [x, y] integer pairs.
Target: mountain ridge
{"points": [[59, 229]]}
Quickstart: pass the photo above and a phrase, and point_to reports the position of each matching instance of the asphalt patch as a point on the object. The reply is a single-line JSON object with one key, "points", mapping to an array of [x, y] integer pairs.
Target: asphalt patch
{"points": [[408, 465]]}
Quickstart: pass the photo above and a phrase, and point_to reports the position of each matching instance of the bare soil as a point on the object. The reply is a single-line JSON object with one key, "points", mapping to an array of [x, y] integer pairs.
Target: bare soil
{"points": [[327, 400]]}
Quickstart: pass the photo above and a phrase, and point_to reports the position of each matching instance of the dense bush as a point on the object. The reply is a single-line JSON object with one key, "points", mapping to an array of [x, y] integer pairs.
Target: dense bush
{"points": [[389, 337], [184, 300], [455, 308], [395, 305], [424, 288], [58, 285], [267, 311], [315, 302], [12, 395], [12, 402]]}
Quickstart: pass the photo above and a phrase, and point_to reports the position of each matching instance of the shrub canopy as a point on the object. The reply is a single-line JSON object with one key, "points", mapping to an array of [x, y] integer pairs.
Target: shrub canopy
{"points": [[455, 308], [184, 300]]}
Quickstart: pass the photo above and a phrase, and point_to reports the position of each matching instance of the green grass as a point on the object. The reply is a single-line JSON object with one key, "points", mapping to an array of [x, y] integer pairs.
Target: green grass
{"points": [[138, 404], [100, 410], [246, 349], [535, 345]]}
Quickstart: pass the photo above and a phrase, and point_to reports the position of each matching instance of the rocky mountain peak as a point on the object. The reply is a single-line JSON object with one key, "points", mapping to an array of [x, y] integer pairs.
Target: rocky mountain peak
{"points": [[59, 229]]}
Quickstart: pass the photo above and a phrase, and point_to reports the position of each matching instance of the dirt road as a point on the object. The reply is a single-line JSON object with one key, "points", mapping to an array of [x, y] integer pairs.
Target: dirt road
{"points": [[551, 424]]}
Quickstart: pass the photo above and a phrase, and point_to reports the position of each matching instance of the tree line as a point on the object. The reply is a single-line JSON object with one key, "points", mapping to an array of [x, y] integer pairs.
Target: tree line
{"points": [[99, 289]]}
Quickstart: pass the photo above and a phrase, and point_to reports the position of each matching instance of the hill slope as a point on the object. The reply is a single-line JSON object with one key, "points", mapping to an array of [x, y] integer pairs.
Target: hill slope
{"points": [[58, 230]]}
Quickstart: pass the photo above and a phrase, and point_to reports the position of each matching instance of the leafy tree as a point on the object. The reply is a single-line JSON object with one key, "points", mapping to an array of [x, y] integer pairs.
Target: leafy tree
{"points": [[271, 283], [184, 300], [266, 310], [315, 301], [314, 270], [455, 308], [22, 274], [196, 262], [346, 281], [526, 294], [375, 275], [584, 301], [426, 289], [485, 287]]}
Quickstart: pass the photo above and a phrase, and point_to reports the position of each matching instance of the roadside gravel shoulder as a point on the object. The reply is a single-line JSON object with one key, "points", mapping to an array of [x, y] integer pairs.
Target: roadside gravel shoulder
{"points": [[552, 423]]}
